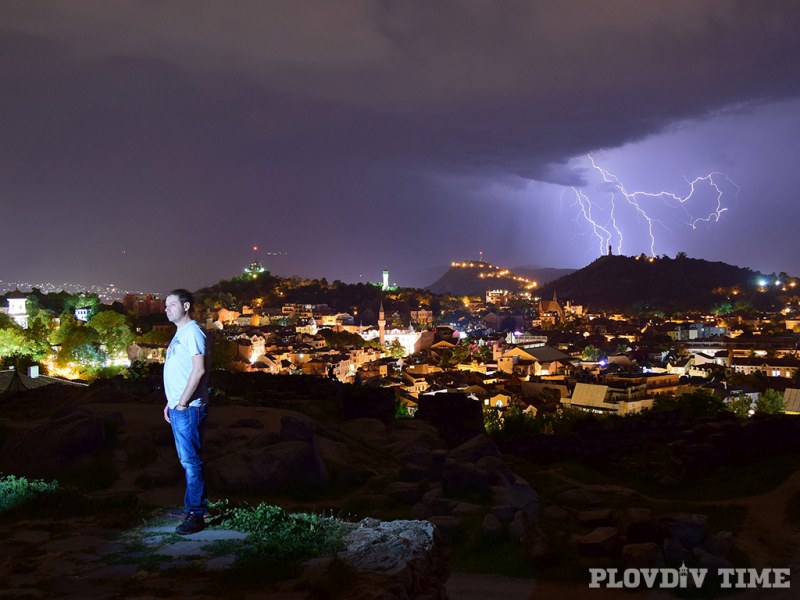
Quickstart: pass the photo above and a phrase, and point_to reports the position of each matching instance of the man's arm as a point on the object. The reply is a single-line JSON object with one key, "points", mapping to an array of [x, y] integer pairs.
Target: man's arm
{"points": [[198, 370]]}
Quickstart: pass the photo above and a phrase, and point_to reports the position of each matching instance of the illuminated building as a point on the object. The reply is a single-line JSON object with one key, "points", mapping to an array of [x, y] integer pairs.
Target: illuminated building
{"points": [[17, 309], [142, 304]]}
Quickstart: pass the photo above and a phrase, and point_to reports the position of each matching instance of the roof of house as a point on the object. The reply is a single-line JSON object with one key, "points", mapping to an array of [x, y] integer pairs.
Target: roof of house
{"points": [[791, 400], [589, 394], [768, 362], [13, 381], [539, 353]]}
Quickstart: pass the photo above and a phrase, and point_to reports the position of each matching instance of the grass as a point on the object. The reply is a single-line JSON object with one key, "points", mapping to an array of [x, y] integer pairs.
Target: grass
{"points": [[16, 491], [277, 538]]}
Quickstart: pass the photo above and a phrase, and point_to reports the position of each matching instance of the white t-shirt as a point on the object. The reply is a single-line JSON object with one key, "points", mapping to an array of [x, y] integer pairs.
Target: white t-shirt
{"points": [[188, 341]]}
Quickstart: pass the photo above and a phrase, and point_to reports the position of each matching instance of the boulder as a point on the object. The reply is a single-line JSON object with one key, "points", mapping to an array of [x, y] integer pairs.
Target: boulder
{"points": [[504, 512], [463, 509], [296, 430], [474, 449], [595, 518], [290, 462], [405, 492], [491, 527], [464, 478], [421, 511], [392, 560], [719, 544], [523, 497], [362, 402], [711, 562], [642, 556], [554, 513], [248, 423], [446, 523], [518, 526], [689, 529], [269, 468], [456, 417], [674, 552], [45, 451], [602, 541], [577, 498]]}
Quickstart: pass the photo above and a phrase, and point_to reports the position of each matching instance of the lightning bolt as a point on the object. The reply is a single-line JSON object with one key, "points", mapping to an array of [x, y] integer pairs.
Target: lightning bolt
{"points": [[632, 200], [614, 224], [586, 209], [636, 199]]}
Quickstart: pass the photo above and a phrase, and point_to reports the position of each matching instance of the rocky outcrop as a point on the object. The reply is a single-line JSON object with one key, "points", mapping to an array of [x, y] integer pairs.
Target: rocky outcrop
{"points": [[636, 536], [67, 441], [383, 560]]}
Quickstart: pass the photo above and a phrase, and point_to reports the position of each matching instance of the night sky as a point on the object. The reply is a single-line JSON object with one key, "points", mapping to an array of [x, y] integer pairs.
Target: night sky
{"points": [[151, 144]]}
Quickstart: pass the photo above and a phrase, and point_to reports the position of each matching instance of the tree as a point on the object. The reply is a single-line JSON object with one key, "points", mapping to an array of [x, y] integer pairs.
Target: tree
{"points": [[113, 330], [698, 403], [79, 344], [40, 329], [82, 300], [590, 353], [740, 405], [770, 402], [461, 353], [13, 342], [396, 350]]}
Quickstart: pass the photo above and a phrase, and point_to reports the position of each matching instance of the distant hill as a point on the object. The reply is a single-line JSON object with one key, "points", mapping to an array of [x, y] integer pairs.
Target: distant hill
{"points": [[472, 278], [622, 282]]}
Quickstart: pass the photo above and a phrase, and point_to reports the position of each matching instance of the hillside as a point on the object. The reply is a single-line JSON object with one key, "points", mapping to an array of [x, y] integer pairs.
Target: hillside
{"points": [[622, 283], [474, 278]]}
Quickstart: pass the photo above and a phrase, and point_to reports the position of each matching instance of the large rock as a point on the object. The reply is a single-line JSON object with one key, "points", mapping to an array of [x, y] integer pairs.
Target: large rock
{"points": [[269, 468], [390, 560], [61, 444], [688, 529], [522, 496], [719, 544], [674, 552], [296, 430], [642, 556], [474, 449], [290, 462], [465, 478], [361, 402], [602, 541], [456, 417]]}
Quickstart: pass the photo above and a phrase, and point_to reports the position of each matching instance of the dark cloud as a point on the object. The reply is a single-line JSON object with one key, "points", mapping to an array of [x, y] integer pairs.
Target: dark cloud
{"points": [[306, 121]]}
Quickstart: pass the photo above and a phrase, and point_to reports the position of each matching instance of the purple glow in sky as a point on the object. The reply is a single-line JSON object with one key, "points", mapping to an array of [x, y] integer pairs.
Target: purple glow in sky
{"points": [[152, 144]]}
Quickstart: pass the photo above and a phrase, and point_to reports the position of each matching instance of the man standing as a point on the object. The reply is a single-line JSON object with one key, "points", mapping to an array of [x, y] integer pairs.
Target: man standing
{"points": [[185, 384]]}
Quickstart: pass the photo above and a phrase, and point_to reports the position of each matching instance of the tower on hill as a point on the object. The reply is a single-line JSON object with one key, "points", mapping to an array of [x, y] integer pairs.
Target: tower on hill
{"points": [[255, 268]]}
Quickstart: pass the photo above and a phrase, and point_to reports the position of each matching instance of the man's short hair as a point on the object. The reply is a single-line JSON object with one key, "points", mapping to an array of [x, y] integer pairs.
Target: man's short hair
{"points": [[183, 296]]}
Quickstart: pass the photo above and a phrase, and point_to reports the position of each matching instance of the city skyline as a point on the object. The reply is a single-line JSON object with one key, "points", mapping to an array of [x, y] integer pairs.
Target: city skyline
{"points": [[152, 145]]}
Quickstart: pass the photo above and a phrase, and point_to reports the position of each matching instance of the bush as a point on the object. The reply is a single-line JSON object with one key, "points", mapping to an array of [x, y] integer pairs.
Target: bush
{"points": [[15, 491], [770, 403], [699, 403], [277, 536], [740, 405]]}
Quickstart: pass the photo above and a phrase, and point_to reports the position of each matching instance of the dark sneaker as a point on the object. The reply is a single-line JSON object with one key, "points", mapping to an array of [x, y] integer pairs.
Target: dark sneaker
{"points": [[192, 523]]}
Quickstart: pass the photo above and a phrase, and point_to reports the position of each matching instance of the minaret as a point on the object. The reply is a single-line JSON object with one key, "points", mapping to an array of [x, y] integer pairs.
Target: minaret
{"points": [[381, 325]]}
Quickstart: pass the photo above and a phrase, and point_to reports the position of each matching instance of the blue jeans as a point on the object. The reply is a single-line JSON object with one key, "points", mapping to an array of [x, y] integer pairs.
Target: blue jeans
{"points": [[188, 427]]}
